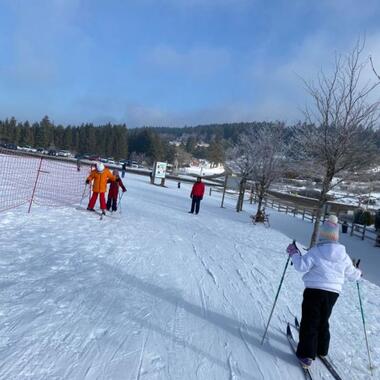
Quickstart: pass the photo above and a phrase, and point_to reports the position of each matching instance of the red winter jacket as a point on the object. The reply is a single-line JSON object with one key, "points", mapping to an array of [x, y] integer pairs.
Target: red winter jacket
{"points": [[198, 189], [114, 188]]}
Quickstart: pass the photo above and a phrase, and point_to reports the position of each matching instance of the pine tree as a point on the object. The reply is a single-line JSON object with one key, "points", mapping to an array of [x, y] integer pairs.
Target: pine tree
{"points": [[67, 139], [47, 132], [216, 153]]}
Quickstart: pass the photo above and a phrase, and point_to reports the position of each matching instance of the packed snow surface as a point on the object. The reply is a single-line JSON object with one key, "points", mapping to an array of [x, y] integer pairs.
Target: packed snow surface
{"points": [[156, 293]]}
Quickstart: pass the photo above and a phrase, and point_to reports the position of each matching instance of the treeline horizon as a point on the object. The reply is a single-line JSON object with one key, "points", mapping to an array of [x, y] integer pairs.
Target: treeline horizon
{"points": [[120, 142], [108, 140]]}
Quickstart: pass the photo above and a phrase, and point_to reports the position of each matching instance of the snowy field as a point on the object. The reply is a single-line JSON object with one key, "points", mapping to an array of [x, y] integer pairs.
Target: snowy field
{"points": [[296, 228], [202, 171], [156, 293]]}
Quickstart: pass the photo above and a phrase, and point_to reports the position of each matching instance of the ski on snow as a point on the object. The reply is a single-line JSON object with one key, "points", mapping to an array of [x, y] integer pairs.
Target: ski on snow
{"points": [[94, 212], [324, 359], [293, 344]]}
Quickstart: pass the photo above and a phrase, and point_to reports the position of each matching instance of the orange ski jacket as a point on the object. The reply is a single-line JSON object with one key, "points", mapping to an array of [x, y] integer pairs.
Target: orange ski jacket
{"points": [[100, 180]]}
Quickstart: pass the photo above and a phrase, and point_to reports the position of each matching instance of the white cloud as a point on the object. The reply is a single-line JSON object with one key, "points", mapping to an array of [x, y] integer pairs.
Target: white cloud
{"points": [[195, 61], [139, 115], [282, 93]]}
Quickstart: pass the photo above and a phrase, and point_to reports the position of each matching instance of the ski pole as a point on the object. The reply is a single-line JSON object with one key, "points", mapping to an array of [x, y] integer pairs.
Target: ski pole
{"points": [[275, 300], [363, 320], [120, 198], [84, 192]]}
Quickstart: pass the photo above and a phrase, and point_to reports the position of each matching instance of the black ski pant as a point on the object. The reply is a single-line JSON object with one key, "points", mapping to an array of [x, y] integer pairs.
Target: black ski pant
{"points": [[314, 334], [195, 204], [112, 202]]}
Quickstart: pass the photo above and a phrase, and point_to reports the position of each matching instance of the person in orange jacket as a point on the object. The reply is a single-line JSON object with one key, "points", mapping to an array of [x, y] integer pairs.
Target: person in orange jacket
{"points": [[100, 175]]}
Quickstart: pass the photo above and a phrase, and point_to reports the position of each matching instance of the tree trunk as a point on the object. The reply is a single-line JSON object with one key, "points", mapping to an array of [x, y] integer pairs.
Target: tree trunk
{"points": [[321, 204], [316, 225], [239, 205], [260, 201], [224, 190], [260, 195], [251, 195], [239, 197]]}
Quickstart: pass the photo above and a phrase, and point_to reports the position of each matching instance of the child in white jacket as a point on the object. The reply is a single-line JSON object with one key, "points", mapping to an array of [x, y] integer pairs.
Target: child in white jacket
{"points": [[326, 266]]}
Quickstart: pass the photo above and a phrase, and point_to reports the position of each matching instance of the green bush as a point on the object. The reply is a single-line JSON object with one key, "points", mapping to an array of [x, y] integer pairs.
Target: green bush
{"points": [[367, 218], [358, 215], [377, 220], [363, 217]]}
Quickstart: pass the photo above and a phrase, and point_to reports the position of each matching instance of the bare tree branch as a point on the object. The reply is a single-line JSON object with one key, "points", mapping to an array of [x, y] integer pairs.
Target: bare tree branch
{"points": [[259, 156], [336, 138], [373, 68]]}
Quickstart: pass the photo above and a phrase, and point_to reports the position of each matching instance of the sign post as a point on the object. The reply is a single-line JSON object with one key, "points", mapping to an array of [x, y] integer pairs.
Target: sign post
{"points": [[160, 172]]}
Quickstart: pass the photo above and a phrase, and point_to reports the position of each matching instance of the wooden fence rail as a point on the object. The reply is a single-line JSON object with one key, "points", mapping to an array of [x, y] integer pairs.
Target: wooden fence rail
{"points": [[363, 232]]}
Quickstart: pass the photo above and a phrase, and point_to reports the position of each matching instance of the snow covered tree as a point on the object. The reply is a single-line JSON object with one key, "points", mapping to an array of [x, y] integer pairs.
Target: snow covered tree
{"points": [[269, 148], [335, 140], [259, 156], [182, 157], [240, 161]]}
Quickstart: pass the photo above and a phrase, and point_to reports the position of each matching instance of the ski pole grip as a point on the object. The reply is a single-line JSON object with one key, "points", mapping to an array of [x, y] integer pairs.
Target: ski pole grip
{"points": [[357, 263]]}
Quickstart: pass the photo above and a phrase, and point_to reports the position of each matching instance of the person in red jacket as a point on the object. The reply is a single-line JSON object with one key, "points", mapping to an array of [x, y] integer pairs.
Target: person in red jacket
{"points": [[197, 195], [113, 191]]}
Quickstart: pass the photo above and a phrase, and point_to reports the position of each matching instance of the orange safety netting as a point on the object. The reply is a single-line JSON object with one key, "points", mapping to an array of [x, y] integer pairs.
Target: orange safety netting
{"points": [[41, 180]]}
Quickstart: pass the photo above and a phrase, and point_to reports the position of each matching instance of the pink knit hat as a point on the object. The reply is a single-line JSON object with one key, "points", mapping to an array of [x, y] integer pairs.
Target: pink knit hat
{"points": [[329, 229]]}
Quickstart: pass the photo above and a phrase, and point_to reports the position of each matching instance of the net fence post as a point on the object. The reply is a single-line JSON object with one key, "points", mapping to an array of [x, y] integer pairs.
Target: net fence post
{"points": [[35, 185]]}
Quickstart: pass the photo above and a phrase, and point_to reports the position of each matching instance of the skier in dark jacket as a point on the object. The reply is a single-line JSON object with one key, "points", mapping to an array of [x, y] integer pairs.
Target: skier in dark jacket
{"points": [[196, 195], [326, 266], [113, 191], [123, 169]]}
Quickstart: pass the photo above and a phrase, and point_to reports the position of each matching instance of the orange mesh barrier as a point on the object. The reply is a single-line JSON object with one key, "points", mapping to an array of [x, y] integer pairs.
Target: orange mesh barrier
{"points": [[41, 180]]}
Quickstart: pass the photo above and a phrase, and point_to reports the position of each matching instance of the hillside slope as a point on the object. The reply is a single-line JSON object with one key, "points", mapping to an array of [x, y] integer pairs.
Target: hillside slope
{"points": [[157, 293]]}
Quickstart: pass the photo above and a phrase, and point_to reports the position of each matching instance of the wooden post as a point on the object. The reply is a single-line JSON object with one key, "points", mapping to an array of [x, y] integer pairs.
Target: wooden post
{"points": [[153, 174], [363, 234], [35, 185], [303, 214], [352, 229], [210, 191]]}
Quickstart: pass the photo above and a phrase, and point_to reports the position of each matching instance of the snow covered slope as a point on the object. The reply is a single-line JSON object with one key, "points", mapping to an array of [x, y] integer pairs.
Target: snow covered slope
{"points": [[157, 293]]}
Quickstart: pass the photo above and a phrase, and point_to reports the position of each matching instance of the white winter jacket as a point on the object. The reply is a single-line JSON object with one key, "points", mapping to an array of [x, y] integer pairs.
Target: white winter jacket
{"points": [[326, 264]]}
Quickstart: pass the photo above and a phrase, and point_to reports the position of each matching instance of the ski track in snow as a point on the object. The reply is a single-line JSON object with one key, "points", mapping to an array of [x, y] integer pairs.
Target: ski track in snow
{"points": [[156, 293], [205, 266]]}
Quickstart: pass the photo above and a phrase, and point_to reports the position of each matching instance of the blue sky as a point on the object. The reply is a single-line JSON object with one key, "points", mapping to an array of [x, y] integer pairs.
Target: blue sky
{"points": [[172, 62]]}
